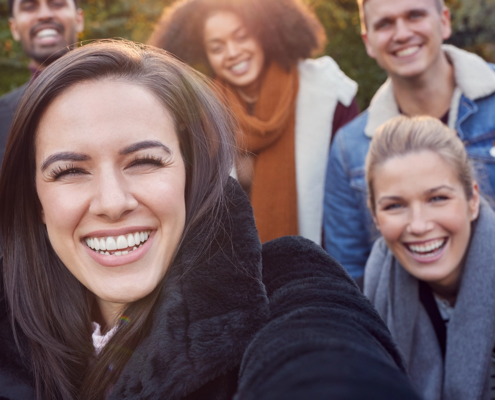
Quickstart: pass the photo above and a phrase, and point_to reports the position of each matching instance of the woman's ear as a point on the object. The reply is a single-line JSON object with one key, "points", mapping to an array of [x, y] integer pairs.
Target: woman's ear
{"points": [[474, 203]]}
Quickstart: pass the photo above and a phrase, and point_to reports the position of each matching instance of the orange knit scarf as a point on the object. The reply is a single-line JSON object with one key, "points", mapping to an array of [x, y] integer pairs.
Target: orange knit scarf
{"points": [[270, 135]]}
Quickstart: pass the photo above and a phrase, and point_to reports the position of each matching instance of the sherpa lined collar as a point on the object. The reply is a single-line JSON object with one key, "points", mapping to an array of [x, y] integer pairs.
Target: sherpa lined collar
{"points": [[474, 79]]}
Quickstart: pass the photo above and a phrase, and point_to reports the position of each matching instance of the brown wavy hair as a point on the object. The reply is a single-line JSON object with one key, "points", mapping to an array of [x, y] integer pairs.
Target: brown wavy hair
{"points": [[49, 307], [287, 29]]}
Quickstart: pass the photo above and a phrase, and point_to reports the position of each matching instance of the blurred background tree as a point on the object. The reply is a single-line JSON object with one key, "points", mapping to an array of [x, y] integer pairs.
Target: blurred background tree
{"points": [[134, 19]]}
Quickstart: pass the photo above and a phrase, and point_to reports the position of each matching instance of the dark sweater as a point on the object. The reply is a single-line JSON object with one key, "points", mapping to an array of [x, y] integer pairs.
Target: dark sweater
{"points": [[315, 335]]}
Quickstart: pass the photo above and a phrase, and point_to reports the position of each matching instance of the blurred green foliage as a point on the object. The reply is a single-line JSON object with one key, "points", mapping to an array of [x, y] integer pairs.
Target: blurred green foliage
{"points": [[134, 19]]}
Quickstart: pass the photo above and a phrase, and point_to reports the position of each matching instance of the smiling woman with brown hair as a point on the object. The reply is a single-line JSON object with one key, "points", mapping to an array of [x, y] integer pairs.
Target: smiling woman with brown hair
{"points": [[288, 106], [132, 268]]}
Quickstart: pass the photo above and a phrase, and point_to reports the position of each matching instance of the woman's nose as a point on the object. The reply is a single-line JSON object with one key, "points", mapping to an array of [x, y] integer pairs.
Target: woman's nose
{"points": [[232, 49], [419, 223], [112, 198]]}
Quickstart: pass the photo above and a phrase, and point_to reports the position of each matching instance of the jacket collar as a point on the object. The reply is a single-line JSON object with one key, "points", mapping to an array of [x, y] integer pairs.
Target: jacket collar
{"points": [[474, 79], [206, 315]]}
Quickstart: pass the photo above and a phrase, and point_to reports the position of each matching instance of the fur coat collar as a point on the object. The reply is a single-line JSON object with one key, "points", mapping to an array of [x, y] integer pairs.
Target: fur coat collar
{"points": [[206, 316], [474, 79]]}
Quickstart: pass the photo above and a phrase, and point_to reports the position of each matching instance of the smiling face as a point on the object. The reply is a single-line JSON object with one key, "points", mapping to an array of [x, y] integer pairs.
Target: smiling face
{"points": [[423, 214], [111, 179], [405, 36], [45, 27], [233, 53]]}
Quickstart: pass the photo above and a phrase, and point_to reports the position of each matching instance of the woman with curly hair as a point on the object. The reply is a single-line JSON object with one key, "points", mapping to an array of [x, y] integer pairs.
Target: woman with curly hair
{"points": [[288, 106]]}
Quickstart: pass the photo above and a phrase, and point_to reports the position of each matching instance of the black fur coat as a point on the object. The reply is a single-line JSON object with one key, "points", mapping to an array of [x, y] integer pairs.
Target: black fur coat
{"points": [[282, 321]]}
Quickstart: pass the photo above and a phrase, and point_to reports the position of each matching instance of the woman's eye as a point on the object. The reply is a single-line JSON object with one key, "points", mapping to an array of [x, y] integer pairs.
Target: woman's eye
{"points": [[147, 161], [66, 171], [393, 206], [215, 49], [436, 199]]}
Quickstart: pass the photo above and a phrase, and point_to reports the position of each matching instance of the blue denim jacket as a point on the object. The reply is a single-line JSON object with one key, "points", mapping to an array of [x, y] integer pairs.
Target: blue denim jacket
{"points": [[349, 231]]}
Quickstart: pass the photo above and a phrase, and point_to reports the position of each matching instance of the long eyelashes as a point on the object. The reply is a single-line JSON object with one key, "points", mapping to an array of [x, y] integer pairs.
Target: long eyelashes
{"points": [[147, 159], [60, 171]]}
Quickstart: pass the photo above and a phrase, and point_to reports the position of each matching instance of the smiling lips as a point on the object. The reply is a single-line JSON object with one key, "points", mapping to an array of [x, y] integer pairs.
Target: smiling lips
{"points": [[407, 52], [240, 68], [427, 251], [119, 245]]}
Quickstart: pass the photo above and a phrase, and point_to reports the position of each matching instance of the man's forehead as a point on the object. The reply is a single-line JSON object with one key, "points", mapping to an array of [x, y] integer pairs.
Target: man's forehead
{"points": [[378, 9], [383, 5], [14, 4]]}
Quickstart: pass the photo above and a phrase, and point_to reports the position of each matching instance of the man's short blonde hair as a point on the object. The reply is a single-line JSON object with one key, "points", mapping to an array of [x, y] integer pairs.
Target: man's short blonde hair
{"points": [[440, 4]]}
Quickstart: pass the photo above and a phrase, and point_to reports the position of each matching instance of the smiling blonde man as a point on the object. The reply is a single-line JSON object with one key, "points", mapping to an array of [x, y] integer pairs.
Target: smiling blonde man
{"points": [[425, 78]]}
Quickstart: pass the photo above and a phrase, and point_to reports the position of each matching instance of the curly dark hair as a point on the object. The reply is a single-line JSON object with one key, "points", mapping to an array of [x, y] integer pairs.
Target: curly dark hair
{"points": [[287, 29]]}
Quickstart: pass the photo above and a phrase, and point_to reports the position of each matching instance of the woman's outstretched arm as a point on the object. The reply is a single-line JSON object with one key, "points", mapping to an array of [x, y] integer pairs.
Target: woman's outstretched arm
{"points": [[324, 340]]}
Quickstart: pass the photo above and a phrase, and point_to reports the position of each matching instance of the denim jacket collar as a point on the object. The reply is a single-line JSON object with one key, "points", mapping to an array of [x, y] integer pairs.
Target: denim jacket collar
{"points": [[474, 79]]}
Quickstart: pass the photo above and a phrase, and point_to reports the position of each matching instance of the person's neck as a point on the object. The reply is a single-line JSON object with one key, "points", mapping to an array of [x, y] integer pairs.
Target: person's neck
{"points": [[429, 93], [250, 93], [108, 313], [448, 289]]}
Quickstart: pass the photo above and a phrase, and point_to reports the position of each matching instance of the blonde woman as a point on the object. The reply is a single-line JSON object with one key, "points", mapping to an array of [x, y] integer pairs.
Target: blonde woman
{"points": [[431, 276]]}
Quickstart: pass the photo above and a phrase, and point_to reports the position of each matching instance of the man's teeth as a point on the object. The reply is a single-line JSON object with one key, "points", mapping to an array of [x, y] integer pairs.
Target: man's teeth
{"points": [[46, 32], [240, 67], [114, 245], [407, 52], [425, 249]]}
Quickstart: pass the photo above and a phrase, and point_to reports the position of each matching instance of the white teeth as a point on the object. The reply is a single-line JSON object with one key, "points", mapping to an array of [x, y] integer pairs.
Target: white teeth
{"points": [[46, 32], [239, 67], [130, 240], [111, 245], [122, 242], [407, 52], [427, 248]]}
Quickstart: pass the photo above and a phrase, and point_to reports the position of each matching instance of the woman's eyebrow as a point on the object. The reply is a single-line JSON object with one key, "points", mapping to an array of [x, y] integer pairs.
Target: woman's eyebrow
{"points": [[388, 198], [435, 189], [63, 156], [146, 144]]}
